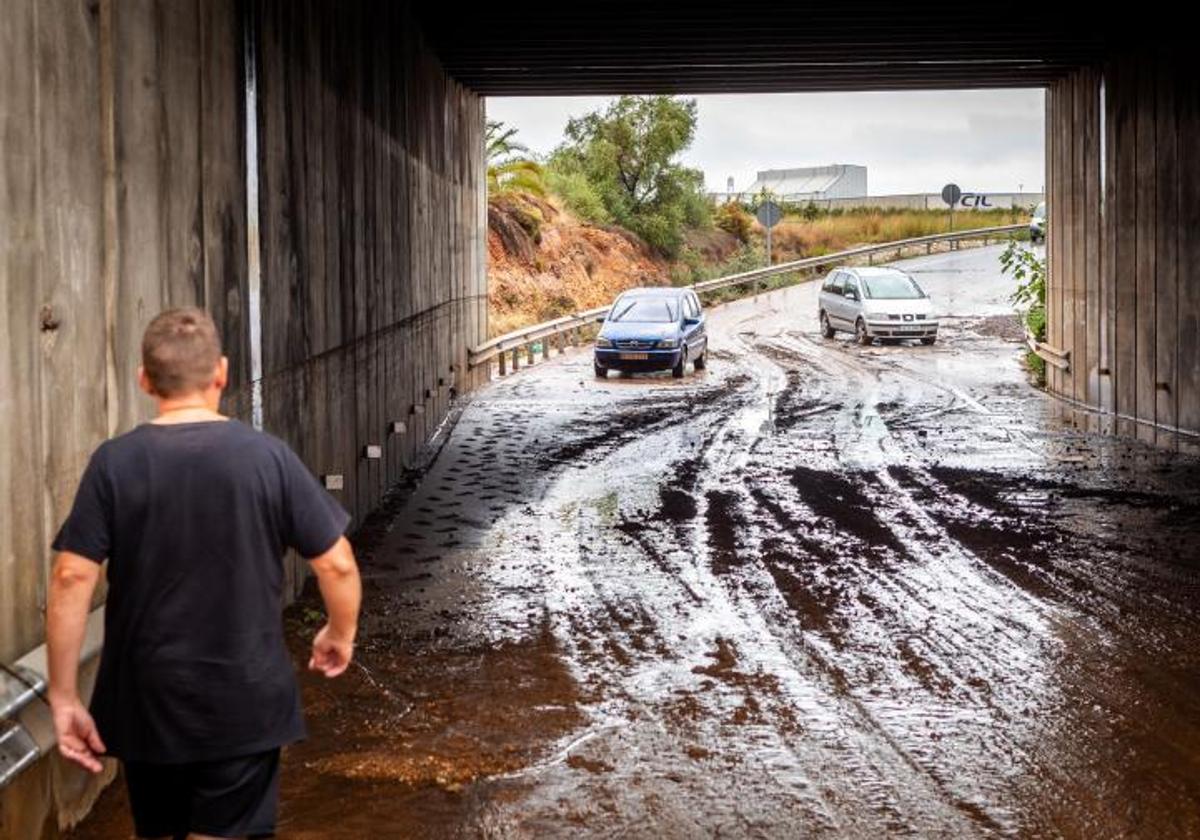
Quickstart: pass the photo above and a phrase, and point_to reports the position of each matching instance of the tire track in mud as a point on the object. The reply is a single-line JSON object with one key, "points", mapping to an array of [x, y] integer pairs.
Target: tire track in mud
{"points": [[843, 501], [726, 528], [700, 507], [955, 532], [727, 535]]}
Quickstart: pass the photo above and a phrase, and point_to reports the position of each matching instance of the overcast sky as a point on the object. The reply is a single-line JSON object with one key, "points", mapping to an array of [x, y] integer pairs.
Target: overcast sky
{"points": [[983, 140]]}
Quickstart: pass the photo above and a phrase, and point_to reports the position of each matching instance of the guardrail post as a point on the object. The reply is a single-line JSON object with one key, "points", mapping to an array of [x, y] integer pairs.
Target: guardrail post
{"points": [[928, 247], [546, 348], [529, 354], [516, 351], [871, 258], [561, 341], [503, 364]]}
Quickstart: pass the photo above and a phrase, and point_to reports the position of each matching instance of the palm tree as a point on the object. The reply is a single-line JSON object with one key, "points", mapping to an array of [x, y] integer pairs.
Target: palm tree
{"points": [[500, 143], [510, 169]]}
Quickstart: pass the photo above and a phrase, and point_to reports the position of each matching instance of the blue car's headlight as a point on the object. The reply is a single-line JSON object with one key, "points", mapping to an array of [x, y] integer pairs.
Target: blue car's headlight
{"points": [[668, 343], [603, 342]]}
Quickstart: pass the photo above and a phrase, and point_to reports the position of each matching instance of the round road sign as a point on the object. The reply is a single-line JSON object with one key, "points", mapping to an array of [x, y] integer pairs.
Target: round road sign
{"points": [[951, 194], [769, 214]]}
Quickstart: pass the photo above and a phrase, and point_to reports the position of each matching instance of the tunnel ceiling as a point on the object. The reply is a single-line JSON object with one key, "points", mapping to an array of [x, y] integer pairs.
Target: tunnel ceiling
{"points": [[605, 48]]}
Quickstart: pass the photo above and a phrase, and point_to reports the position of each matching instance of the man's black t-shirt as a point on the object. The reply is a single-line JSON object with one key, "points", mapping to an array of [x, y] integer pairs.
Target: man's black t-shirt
{"points": [[194, 519]]}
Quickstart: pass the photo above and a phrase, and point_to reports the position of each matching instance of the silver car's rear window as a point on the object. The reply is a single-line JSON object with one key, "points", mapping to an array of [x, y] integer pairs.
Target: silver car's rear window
{"points": [[645, 311]]}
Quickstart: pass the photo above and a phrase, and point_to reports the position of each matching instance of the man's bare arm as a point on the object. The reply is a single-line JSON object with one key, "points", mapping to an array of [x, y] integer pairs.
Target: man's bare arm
{"points": [[73, 580], [341, 589]]}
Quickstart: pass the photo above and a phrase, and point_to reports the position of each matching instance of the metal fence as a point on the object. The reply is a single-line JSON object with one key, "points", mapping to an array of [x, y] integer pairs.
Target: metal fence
{"points": [[523, 340]]}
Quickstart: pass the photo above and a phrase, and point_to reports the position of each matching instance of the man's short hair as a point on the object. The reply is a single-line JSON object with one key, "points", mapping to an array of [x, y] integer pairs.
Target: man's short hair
{"points": [[180, 351]]}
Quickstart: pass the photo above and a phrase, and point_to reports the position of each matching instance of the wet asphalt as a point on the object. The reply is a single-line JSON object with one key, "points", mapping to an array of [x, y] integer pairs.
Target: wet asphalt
{"points": [[818, 590]]}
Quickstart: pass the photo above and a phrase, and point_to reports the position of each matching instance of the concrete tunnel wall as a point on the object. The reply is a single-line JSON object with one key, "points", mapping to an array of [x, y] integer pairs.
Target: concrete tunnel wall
{"points": [[123, 190], [1123, 195]]}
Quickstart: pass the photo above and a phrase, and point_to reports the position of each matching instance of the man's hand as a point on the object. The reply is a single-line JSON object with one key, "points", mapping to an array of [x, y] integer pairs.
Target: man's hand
{"points": [[331, 654], [78, 739], [341, 589], [73, 579]]}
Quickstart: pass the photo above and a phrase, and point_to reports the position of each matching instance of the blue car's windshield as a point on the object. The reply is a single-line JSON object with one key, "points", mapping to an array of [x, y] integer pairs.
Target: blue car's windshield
{"points": [[892, 287], [644, 311]]}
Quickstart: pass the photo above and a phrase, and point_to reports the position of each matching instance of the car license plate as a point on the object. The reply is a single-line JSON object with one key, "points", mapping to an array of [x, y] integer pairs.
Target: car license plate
{"points": [[635, 357]]}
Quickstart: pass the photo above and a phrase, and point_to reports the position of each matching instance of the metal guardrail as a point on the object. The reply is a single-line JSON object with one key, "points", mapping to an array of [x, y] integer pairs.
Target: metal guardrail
{"points": [[26, 728], [525, 337], [1048, 353]]}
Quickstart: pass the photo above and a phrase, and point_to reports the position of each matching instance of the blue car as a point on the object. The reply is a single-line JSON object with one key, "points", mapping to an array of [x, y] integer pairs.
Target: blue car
{"points": [[652, 329]]}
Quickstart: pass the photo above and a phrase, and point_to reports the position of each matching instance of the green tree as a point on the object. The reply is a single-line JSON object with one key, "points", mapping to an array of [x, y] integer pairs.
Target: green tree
{"points": [[629, 153]]}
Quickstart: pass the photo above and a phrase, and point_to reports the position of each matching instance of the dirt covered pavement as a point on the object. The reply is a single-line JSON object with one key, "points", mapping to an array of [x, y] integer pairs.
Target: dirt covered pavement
{"points": [[818, 590]]}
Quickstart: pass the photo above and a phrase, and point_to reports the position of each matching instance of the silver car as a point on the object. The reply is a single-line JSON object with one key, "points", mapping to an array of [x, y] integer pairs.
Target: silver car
{"points": [[1037, 224], [873, 303]]}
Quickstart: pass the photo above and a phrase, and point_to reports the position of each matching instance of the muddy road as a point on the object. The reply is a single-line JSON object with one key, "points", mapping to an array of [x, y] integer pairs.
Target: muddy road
{"points": [[819, 590]]}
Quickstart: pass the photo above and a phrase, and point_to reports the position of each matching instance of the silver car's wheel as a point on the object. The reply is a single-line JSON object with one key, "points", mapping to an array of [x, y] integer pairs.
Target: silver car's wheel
{"points": [[826, 327], [860, 332]]}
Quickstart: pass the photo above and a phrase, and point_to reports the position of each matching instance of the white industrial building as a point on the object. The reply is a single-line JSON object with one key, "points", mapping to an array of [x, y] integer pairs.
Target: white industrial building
{"points": [[843, 186], [812, 183]]}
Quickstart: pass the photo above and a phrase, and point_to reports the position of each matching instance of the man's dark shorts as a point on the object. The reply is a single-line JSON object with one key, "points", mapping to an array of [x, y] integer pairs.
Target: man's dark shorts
{"points": [[232, 797]]}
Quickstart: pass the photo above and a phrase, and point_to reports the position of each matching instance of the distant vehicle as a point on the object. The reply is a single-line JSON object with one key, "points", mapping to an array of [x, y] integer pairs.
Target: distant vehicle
{"points": [[652, 329], [1037, 225], [872, 303]]}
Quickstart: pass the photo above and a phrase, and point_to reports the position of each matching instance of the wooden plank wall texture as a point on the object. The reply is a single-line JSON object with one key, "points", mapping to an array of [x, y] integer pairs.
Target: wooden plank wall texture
{"points": [[372, 196], [1124, 203], [123, 187], [121, 193]]}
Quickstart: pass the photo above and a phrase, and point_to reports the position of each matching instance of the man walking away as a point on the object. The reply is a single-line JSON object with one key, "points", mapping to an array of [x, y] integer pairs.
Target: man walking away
{"points": [[193, 512]]}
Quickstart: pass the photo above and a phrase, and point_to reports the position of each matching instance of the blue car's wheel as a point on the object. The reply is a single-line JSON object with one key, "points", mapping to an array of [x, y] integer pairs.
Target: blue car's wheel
{"points": [[601, 370], [677, 371]]}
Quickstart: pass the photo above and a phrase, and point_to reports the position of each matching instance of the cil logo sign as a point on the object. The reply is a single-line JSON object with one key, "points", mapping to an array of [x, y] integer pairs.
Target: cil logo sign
{"points": [[954, 197], [974, 201]]}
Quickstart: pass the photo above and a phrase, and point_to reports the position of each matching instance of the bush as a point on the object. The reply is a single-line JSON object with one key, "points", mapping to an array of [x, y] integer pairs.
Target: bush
{"points": [[579, 195], [1030, 274], [1036, 365], [731, 218]]}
